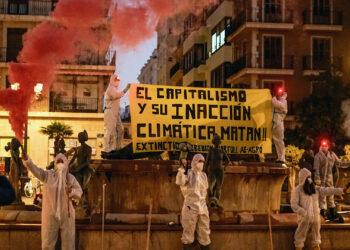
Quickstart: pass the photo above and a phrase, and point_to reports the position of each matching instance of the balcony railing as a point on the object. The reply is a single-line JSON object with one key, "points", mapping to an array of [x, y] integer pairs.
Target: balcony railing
{"points": [[31, 7], [196, 64], [256, 61], [175, 69], [323, 18], [69, 104], [321, 62], [83, 58], [260, 15]]}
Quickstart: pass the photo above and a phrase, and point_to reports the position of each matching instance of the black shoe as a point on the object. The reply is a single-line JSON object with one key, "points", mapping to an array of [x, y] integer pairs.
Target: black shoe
{"points": [[205, 247], [188, 246], [322, 212], [332, 214]]}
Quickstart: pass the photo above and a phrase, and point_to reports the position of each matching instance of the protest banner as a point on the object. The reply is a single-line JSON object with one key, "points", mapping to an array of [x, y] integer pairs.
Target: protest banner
{"points": [[164, 116]]}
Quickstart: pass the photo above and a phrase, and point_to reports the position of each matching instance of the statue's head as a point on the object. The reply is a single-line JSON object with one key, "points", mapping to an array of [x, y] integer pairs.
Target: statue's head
{"points": [[216, 140], [15, 144], [114, 81], [83, 136]]}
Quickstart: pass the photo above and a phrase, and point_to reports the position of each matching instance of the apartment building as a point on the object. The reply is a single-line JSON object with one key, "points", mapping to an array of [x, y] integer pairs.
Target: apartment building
{"points": [[148, 73], [264, 44], [77, 96]]}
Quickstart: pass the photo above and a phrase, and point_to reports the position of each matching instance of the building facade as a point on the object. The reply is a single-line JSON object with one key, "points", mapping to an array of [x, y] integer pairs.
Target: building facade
{"points": [[264, 44], [149, 71], [74, 99]]}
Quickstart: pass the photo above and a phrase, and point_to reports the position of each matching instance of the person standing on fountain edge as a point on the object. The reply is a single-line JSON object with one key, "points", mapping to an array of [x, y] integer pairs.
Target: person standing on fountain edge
{"points": [[194, 215], [324, 162], [58, 213], [114, 130], [279, 103], [305, 203]]}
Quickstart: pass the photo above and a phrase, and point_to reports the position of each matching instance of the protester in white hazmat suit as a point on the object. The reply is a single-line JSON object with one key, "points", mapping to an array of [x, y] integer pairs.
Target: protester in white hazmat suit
{"points": [[114, 130], [58, 213], [279, 103], [194, 215], [304, 202], [324, 162]]}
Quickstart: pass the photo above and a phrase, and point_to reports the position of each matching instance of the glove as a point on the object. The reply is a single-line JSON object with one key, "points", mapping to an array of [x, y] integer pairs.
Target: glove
{"points": [[318, 183]]}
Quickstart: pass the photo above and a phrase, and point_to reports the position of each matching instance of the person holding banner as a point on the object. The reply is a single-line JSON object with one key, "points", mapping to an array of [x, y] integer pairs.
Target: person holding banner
{"points": [[279, 103], [195, 214], [114, 130]]}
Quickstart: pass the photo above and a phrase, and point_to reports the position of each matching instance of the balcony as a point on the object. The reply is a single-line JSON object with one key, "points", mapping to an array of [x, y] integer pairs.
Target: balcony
{"points": [[326, 20], [255, 64], [175, 69], [84, 57], [31, 7], [69, 104], [196, 64], [259, 18], [314, 64]]}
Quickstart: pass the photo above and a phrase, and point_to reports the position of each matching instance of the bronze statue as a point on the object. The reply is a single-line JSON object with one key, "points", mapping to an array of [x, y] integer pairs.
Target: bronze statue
{"points": [[59, 147], [80, 163], [215, 170], [16, 168]]}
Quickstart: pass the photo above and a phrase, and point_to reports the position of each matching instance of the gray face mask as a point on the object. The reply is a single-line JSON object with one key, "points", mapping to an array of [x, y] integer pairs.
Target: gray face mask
{"points": [[199, 167]]}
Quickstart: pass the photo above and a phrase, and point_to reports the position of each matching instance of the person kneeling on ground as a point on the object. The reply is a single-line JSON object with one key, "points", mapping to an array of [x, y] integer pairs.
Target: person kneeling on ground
{"points": [[305, 203], [58, 213], [194, 215]]}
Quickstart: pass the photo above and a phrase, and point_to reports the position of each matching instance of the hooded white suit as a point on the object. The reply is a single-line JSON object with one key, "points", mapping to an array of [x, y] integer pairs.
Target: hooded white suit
{"points": [[194, 215], [308, 211], [323, 166], [57, 210], [114, 130], [279, 114]]}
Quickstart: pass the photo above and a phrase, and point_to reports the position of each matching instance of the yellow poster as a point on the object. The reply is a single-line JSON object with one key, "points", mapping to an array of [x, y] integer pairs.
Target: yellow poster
{"points": [[164, 116]]}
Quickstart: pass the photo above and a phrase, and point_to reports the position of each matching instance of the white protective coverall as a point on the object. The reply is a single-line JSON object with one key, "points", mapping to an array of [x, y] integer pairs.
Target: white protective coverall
{"points": [[280, 110], [308, 211], [57, 210], [114, 130], [323, 165], [194, 215]]}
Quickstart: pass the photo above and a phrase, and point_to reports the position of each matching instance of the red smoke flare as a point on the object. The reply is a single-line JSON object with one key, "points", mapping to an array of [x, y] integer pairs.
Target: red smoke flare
{"points": [[47, 45]]}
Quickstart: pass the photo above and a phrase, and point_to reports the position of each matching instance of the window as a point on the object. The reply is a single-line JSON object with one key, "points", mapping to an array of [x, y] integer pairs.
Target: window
{"points": [[321, 12], [17, 7], [75, 96], [321, 53], [196, 56], [219, 75], [273, 52], [218, 34], [273, 10], [14, 43]]}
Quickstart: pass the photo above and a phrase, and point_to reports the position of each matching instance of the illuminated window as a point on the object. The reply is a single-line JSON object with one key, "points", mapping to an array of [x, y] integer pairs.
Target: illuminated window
{"points": [[218, 34]]}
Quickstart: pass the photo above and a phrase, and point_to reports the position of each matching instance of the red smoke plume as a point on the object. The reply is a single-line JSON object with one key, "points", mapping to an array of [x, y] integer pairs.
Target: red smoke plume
{"points": [[75, 23]]}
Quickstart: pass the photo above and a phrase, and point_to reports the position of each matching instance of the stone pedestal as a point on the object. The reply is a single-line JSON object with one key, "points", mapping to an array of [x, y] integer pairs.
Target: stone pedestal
{"points": [[130, 184]]}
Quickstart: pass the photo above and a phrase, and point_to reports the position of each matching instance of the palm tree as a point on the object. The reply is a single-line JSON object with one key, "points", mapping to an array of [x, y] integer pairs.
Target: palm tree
{"points": [[58, 131]]}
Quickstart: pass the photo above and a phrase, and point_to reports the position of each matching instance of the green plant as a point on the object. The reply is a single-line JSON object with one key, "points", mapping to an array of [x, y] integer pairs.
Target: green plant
{"points": [[58, 131]]}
